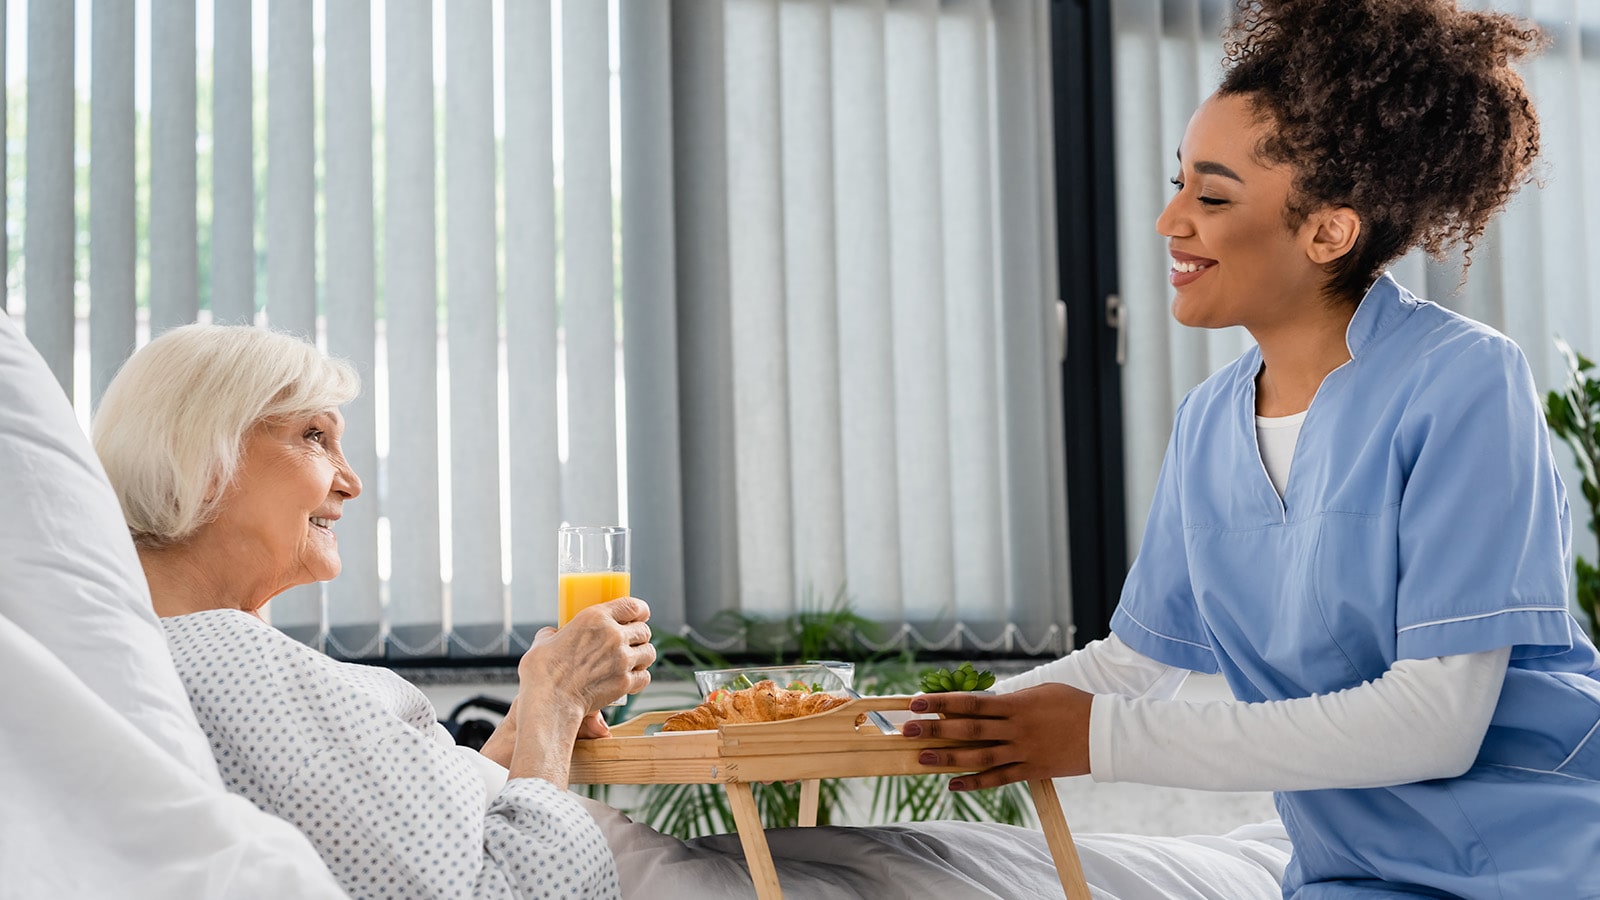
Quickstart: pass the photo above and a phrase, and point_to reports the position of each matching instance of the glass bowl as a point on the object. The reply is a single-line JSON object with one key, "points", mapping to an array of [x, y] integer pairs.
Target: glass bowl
{"points": [[828, 678]]}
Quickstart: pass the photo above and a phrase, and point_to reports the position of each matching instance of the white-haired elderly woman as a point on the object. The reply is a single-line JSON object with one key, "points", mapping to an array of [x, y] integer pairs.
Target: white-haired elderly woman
{"points": [[223, 444]]}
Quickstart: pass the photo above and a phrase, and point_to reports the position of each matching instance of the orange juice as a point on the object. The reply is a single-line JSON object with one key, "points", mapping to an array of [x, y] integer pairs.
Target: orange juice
{"points": [[581, 590]]}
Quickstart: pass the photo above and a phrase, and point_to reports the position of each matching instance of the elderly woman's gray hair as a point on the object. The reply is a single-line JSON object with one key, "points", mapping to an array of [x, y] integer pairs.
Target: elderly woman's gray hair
{"points": [[172, 423]]}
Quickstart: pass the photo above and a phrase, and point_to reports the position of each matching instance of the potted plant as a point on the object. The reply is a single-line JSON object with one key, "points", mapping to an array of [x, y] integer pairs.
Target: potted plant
{"points": [[1573, 414]]}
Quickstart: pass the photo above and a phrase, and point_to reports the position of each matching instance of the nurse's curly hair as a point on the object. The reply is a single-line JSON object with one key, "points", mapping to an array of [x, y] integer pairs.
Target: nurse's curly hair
{"points": [[1406, 111]]}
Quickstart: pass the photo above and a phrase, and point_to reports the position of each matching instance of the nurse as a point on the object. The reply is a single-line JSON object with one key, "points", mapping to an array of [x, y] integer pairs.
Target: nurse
{"points": [[1358, 522]]}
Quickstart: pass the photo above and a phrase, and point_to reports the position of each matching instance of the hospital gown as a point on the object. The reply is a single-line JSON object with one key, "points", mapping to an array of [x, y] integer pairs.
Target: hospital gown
{"points": [[352, 756]]}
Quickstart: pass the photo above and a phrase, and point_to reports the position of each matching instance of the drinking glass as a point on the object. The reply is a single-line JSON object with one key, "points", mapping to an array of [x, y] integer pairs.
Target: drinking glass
{"points": [[593, 569], [845, 671]]}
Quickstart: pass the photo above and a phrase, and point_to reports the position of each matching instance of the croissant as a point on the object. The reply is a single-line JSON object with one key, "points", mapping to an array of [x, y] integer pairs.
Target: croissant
{"points": [[766, 702]]}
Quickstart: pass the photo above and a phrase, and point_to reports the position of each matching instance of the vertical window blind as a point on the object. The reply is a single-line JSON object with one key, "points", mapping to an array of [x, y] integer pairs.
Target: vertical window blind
{"points": [[769, 281], [1531, 277]]}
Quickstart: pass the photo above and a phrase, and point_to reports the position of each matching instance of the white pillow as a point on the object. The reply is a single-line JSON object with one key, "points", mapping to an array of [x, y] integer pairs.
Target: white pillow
{"points": [[109, 785], [71, 577]]}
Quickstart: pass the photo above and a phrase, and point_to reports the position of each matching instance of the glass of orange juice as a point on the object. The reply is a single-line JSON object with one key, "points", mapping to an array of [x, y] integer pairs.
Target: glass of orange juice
{"points": [[593, 569]]}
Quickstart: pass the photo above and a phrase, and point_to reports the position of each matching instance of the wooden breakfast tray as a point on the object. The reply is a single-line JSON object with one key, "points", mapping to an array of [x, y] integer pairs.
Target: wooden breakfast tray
{"points": [[825, 745]]}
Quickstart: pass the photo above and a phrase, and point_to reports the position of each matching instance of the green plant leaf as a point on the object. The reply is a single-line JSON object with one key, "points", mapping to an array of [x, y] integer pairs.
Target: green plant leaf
{"points": [[1573, 415], [1588, 586], [671, 646], [686, 810], [1558, 413]]}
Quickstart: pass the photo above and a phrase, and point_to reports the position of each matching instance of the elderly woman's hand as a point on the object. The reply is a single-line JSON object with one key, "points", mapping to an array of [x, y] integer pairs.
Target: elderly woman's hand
{"points": [[568, 675], [503, 741], [1039, 732], [603, 653]]}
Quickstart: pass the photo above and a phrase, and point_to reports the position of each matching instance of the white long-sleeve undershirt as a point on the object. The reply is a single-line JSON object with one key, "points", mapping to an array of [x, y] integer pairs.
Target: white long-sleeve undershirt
{"points": [[1423, 719]]}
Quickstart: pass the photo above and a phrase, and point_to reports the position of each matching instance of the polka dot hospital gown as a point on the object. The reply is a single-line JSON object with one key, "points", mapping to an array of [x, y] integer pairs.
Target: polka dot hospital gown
{"points": [[353, 756]]}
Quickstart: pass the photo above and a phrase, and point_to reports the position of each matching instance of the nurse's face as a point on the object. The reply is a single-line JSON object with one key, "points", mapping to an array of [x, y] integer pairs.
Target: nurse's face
{"points": [[1235, 260]]}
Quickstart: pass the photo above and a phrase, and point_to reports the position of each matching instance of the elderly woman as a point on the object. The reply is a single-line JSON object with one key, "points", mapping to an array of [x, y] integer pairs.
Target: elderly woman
{"points": [[223, 446]]}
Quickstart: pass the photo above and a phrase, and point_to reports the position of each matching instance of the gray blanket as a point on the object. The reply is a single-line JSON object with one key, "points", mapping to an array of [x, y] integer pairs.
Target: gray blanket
{"points": [[946, 861]]}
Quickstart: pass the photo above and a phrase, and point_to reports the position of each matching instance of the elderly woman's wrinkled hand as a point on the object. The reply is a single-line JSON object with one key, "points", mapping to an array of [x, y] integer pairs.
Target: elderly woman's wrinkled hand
{"points": [[603, 653], [1039, 732]]}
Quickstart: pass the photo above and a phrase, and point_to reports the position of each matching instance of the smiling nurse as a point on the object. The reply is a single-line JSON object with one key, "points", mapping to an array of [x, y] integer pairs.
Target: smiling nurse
{"points": [[1359, 522]]}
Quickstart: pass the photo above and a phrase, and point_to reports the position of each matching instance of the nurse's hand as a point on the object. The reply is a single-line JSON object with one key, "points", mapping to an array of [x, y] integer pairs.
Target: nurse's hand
{"points": [[1039, 732]]}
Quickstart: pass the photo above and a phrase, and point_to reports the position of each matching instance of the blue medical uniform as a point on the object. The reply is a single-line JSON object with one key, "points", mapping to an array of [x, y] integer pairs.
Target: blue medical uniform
{"points": [[1423, 517]]}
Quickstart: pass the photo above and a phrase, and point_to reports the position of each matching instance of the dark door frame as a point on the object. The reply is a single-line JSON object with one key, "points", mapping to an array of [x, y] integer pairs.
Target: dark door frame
{"points": [[1086, 254]]}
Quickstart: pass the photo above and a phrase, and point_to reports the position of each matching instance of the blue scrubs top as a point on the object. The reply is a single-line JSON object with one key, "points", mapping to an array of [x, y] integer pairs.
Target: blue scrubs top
{"points": [[1423, 517]]}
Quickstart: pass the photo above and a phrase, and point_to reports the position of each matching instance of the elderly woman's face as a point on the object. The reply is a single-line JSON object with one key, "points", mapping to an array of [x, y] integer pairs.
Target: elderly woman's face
{"points": [[290, 490]]}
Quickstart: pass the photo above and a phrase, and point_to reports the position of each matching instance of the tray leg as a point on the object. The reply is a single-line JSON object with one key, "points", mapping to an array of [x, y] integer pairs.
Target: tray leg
{"points": [[1059, 837], [810, 795], [753, 837]]}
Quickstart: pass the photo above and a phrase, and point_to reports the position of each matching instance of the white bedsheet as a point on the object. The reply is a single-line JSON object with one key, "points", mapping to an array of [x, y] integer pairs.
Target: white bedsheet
{"points": [[947, 861]]}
